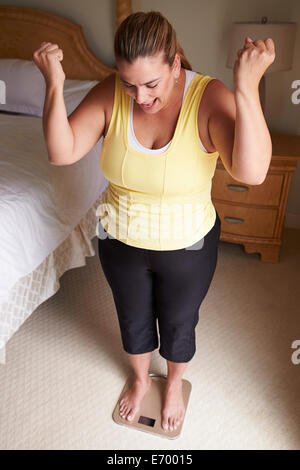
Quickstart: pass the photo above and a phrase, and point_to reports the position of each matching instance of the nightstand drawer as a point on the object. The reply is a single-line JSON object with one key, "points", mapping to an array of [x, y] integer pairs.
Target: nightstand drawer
{"points": [[247, 221], [228, 189]]}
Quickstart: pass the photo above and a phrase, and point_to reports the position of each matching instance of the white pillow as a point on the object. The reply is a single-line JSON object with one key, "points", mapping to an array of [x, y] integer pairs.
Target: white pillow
{"points": [[25, 88], [75, 91]]}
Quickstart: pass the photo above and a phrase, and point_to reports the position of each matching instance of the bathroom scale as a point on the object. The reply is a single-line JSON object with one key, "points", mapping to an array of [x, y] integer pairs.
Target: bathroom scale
{"points": [[148, 418]]}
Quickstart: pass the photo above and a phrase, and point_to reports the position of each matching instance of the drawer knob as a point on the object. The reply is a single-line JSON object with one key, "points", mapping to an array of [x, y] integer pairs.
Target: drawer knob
{"points": [[234, 220], [237, 187]]}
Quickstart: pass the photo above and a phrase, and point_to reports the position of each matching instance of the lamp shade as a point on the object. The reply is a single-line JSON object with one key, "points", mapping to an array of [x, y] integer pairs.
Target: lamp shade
{"points": [[283, 35]]}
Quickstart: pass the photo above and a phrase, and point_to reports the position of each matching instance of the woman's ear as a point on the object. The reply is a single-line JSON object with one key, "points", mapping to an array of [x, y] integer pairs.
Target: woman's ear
{"points": [[177, 65]]}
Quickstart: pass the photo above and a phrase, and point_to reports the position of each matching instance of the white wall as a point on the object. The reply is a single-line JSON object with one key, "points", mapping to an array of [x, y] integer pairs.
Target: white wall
{"points": [[203, 28]]}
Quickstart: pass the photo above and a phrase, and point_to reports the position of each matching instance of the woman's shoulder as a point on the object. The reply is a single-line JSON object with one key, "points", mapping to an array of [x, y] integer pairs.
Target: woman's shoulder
{"points": [[106, 92], [209, 105], [217, 93], [214, 89]]}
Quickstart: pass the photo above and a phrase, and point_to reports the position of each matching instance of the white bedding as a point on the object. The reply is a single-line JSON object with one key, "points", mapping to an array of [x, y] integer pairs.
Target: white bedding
{"points": [[40, 204]]}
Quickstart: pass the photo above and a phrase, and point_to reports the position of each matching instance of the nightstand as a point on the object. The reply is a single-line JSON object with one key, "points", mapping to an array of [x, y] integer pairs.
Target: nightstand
{"points": [[254, 215]]}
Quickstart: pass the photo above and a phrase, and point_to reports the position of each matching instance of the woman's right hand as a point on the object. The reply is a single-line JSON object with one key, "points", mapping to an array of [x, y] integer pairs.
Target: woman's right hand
{"points": [[47, 58]]}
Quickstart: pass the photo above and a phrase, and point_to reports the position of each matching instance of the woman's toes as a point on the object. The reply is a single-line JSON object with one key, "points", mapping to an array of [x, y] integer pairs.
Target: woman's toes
{"points": [[122, 407], [128, 413], [165, 424], [132, 413]]}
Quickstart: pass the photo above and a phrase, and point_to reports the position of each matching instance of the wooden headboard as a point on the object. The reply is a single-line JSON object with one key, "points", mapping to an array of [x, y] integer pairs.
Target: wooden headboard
{"points": [[23, 29]]}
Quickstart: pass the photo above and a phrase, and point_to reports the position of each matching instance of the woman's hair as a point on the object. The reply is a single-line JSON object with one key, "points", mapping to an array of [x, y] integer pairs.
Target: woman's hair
{"points": [[146, 34]]}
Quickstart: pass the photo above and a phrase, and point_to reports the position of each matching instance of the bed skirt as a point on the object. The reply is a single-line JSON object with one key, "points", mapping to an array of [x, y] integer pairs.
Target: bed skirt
{"points": [[39, 285]]}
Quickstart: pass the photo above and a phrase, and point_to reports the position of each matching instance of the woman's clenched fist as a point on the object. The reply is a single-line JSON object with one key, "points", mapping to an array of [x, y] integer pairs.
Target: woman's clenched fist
{"points": [[48, 59]]}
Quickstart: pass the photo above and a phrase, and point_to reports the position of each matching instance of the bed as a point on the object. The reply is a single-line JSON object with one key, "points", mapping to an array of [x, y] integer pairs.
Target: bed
{"points": [[48, 213]]}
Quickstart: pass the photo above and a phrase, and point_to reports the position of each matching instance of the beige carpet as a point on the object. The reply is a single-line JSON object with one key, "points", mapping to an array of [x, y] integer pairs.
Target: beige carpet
{"points": [[66, 366]]}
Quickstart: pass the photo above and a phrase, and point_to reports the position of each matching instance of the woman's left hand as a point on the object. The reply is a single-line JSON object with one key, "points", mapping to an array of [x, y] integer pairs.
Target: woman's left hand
{"points": [[252, 62]]}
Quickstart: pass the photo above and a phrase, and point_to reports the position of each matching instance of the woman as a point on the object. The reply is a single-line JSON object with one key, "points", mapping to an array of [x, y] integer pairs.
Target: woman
{"points": [[155, 104]]}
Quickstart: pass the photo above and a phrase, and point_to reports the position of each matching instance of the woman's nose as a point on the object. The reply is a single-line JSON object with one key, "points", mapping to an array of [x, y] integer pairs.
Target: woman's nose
{"points": [[140, 97]]}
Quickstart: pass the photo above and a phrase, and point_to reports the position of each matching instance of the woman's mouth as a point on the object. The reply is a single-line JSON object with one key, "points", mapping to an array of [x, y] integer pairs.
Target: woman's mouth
{"points": [[149, 105]]}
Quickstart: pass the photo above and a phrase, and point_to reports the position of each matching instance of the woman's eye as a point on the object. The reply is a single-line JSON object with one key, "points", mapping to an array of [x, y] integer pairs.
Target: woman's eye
{"points": [[131, 86]]}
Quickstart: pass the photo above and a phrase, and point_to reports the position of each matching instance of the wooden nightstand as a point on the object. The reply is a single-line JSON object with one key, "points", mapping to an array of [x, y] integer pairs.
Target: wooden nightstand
{"points": [[254, 215]]}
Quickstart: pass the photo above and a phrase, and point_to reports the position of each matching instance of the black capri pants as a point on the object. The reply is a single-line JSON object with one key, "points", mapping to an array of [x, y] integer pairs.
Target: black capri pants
{"points": [[165, 287]]}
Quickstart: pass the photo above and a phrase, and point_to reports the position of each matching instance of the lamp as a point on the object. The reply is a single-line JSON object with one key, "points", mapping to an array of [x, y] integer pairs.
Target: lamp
{"points": [[283, 35]]}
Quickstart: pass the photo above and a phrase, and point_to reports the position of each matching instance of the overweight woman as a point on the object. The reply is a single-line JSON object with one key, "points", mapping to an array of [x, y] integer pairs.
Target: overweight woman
{"points": [[164, 127]]}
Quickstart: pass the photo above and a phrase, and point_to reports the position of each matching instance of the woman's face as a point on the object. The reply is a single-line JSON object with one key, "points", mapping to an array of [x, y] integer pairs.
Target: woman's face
{"points": [[150, 81]]}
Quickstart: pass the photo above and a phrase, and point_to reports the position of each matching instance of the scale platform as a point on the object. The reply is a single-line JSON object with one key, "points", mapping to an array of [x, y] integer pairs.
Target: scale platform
{"points": [[148, 418]]}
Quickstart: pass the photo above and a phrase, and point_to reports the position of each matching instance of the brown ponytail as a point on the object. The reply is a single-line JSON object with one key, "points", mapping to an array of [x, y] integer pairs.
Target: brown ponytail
{"points": [[144, 34]]}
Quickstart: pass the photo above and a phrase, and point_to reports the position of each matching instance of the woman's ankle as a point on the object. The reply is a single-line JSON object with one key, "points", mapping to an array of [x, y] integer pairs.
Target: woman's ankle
{"points": [[143, 379], [140, 364]]}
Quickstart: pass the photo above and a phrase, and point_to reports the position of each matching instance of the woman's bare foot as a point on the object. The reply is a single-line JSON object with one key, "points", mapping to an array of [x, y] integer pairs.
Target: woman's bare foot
{"points": [[173, 408], [131, 400]]}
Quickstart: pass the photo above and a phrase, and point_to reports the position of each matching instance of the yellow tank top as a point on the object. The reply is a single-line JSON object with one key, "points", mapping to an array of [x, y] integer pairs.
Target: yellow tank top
{"points": [[158, 201]]}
